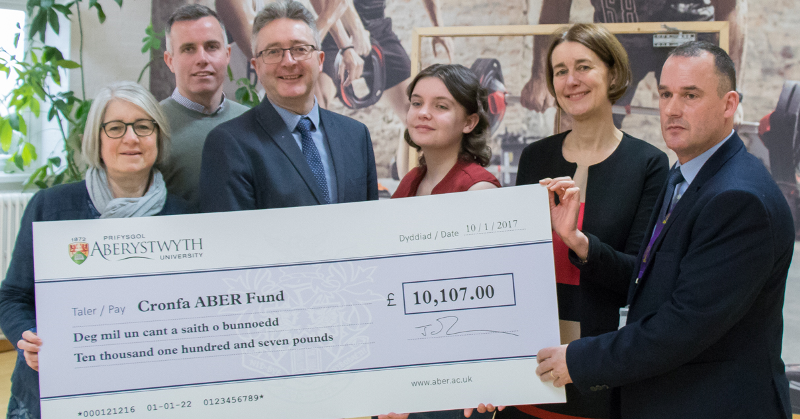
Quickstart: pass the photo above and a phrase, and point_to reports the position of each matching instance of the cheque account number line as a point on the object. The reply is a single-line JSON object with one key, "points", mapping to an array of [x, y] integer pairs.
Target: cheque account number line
{"points": [[222, 355], [497, 231], [225, 315], [129, 342], [462, 334]]}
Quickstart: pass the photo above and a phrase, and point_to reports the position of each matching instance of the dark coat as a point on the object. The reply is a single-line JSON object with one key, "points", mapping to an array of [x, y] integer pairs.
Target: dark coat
{"points": [[17, 302], [253, 162], [704, 331], [620, 194]]}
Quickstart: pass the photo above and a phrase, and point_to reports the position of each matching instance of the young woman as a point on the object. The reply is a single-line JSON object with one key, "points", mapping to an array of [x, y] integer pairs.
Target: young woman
{"points": [[448, 124]]}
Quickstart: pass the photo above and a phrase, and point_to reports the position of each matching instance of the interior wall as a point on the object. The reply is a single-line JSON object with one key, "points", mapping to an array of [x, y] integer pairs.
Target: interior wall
{"points": [[111, 50]]}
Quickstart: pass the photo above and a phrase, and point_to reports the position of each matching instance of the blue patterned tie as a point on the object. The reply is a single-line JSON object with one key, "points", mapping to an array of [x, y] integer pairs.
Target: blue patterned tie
{"points": [[312, 156]]}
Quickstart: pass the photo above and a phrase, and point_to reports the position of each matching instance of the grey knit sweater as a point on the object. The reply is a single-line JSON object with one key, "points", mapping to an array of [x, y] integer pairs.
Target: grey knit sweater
{"points": [[189, 130]]}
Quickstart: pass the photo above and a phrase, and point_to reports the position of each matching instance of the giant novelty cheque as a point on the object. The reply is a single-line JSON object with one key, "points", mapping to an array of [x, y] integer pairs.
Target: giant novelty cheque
{"points": [[333, 311]]}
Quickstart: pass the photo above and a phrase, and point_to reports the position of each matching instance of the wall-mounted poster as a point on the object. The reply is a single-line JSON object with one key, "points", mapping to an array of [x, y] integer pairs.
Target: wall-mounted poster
{"points": [[378, 65]]}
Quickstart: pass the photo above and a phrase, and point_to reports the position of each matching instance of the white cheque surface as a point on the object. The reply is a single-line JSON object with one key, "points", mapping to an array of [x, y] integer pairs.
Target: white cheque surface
{"points": [[346, 310]]}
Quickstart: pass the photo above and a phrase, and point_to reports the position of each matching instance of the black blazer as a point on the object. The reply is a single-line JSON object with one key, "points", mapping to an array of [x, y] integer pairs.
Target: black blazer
{"points": [[253, 162], [704, 332], [620, 195]]}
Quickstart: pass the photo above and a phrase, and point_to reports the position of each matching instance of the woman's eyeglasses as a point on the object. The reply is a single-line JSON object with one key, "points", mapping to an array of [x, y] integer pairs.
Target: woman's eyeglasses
{"points": [[117, 129]]}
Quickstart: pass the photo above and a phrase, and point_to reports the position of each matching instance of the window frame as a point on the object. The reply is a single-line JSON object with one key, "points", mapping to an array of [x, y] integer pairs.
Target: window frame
{"points": [[38, 128]]}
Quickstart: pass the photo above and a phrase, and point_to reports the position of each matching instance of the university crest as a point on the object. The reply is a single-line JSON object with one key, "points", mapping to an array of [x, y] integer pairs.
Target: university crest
{"points": [[78, 252]]}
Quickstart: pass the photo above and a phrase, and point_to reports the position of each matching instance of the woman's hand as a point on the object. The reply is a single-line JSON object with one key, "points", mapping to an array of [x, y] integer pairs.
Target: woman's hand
{"points": [[564, 216], [394, 416], [30, 344], [482, 408]]}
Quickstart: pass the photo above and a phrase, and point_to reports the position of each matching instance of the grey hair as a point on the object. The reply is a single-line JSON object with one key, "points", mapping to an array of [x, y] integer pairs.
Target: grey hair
{"points": [[191, 12], [134, 94], [284, 9]]}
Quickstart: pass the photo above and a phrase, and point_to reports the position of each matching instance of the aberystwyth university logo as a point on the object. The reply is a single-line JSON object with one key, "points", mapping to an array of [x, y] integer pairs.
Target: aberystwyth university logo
{"points": [[121, 247], [78, 251]]}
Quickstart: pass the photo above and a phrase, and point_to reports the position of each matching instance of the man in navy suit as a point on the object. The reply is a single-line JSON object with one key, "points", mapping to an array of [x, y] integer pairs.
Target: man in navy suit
{"points": [[704, 331], [286, 151]]}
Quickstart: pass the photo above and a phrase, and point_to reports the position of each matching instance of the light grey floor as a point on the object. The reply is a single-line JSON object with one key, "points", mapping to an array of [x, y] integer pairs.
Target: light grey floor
{"points": [[791, 312]]}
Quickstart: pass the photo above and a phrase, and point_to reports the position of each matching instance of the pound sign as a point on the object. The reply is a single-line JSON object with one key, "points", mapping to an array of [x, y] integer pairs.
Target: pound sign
{"points": [[390, 299]]}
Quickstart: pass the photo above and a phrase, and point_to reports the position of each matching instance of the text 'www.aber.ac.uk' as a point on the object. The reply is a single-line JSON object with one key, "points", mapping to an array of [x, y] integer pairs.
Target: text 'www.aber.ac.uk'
{"points": [[442, 381]]}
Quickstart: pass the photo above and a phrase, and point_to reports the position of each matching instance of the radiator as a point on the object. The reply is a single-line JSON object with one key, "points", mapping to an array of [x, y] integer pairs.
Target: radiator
{"points": [[12, 205]]}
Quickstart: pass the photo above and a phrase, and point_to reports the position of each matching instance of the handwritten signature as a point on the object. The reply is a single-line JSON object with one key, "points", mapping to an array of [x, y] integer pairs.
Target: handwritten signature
{"points": [[446, 324]]}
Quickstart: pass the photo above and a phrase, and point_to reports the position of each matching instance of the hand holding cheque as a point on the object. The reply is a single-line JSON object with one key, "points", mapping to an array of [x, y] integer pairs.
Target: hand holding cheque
{"points": [[553, 365], [286, 311], [564, 218], [564, 215], [31, 345]]}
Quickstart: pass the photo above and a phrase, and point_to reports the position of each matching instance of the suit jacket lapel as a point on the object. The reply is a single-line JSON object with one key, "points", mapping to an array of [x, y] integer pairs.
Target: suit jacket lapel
{"points": [[274, 126], [709, 169], [336, 146]]}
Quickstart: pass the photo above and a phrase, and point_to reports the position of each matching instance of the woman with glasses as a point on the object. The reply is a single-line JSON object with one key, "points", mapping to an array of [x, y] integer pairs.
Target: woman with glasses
{"points": [[126, 135]]}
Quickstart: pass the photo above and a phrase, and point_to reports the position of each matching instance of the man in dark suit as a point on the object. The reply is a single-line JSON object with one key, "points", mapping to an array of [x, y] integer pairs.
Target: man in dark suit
{"points": [[286, 151], [703, 335]]}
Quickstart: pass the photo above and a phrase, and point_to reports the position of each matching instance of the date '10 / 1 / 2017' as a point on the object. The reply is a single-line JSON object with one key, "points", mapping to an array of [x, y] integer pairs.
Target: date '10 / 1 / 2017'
{"points": [[493, 226]]}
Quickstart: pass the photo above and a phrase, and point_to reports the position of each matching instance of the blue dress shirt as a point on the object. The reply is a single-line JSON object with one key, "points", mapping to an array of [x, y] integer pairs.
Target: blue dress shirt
{"points": [[691, 168]]}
